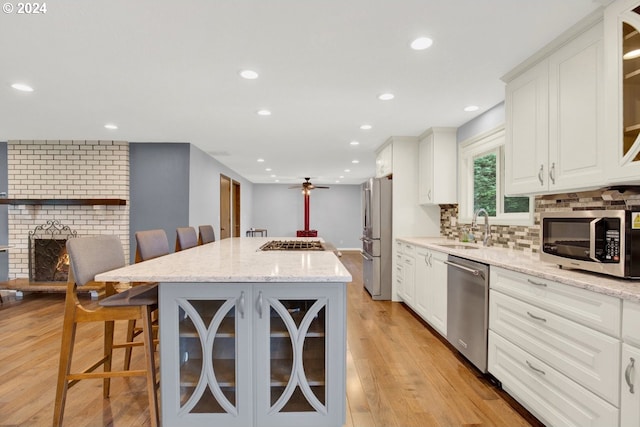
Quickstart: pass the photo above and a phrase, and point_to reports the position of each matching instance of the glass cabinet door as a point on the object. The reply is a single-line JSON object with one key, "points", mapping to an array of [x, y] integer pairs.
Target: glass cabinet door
{"points": [[630, 38], [206, 373], [294, 384], [297, 346], [207, 356]]}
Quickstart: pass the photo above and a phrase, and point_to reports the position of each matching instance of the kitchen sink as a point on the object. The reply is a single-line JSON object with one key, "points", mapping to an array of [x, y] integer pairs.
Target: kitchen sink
{"points": [[457, 246]]}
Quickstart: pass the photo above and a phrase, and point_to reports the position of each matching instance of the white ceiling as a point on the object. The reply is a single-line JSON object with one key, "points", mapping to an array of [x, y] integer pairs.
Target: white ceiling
{"points": [[167, 71]]}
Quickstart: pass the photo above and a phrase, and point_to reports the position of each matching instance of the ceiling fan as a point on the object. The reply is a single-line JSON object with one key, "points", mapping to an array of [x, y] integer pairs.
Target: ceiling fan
{"points": [[307, 186]]}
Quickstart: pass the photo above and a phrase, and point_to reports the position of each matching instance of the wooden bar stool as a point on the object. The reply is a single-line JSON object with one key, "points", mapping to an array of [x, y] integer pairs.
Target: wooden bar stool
{"points": [[89, 256], [206, 235], [149, 244], [186, 238]]}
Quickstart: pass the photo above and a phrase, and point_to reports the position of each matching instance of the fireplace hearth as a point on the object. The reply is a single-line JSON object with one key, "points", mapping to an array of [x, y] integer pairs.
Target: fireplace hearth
{"points": [[48, 259]]}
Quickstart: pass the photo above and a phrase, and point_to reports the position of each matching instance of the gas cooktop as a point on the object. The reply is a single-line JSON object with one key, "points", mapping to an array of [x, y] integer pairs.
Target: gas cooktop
{"points": [[293, 245]]}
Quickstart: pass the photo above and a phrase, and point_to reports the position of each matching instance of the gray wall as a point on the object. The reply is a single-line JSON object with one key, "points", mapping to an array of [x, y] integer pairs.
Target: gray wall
{"points": [[488, 120], [204, 192], [335, 213], [4, 218], [159, 188]]}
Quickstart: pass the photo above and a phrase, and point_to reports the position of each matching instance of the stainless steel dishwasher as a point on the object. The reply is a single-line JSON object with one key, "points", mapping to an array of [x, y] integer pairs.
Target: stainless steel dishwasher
{"points": [[468, 308]]}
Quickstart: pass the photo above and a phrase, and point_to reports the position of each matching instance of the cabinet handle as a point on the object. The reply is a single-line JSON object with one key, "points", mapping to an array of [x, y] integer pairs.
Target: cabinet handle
{"points": [[540, 172], [241, 305], [430, 259], [542, 319], [533, 282], [533, 368], [429, 195], [627, 374], [552, 173], [259, 307]]}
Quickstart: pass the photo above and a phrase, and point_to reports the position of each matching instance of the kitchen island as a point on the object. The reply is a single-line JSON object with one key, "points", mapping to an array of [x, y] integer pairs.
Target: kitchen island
{"points": [[249, 337]]}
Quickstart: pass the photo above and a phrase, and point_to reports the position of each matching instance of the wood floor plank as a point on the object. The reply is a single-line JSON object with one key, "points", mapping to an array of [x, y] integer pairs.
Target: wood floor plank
{"points": [[399, 373]]}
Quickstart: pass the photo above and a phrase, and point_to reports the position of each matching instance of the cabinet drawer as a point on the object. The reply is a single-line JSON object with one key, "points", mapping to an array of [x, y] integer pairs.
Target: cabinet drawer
{"points": [[588, 357], [631, 322], [598, 311], [549, 395], [408, 249]]}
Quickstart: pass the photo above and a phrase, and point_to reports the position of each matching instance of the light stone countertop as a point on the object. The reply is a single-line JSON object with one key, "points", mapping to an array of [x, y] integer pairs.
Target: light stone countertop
{"points": [[530, 264], [236, 260]]}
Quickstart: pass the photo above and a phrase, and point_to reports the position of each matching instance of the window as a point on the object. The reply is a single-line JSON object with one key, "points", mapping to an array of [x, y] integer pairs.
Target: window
{"points": [[481, 178]]}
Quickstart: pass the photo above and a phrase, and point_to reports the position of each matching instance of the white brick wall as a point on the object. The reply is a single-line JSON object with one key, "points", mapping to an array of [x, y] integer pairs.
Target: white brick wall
{"points": [[66, 170]]}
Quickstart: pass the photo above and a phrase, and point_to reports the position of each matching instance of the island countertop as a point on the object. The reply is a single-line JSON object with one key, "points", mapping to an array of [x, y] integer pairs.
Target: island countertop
{"points": [[235, 260]]}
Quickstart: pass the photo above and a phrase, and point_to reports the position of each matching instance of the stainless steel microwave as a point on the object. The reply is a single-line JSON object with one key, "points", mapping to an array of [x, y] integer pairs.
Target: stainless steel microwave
{"points": [[605, 241]]}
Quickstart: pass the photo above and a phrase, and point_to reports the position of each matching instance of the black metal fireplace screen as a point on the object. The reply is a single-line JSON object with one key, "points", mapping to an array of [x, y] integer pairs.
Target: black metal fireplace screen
{"points": [[48, 259]]}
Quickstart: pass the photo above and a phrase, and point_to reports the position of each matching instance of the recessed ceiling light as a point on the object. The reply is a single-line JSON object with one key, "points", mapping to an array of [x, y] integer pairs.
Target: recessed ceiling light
{"points": [[264, 113], [366, 127], [470, 108], [277, 180], [248, 74], [337, 181], [110, 126], [22, 87], [386, 96], [341, 176], [347, 170], [354, 143], [260, 160], [273, 176], [421, 43], [355, 162], [268, 169]]}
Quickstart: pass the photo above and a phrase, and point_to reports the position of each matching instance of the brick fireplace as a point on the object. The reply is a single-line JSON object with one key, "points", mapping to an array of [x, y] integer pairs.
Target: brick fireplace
{"points": [[71, 172]]}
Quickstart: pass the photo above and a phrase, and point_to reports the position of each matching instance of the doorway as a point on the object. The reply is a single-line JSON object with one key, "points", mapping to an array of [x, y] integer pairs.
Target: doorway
{"points": [[229, 207]]}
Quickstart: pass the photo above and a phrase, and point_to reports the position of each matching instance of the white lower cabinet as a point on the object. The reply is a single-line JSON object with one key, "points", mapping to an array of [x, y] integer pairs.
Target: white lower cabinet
{"points": [[405, 271], [555, 348], [630, 387], [549, 395], [430, 284], [586, 356], [437, 283], [253, 354], [630, 366]]}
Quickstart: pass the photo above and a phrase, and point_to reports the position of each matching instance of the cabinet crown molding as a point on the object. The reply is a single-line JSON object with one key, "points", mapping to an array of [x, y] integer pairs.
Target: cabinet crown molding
{"points": [[574, 31]]}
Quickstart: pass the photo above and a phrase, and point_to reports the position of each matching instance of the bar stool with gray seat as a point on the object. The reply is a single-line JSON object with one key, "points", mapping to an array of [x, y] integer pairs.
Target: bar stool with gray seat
{"points": [[186, 238], [89, 256], [206, 235], [149, 244]]}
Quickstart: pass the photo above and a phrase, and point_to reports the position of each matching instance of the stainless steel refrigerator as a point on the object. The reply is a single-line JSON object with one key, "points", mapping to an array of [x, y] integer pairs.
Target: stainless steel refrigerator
{"points": [[376, 237]]}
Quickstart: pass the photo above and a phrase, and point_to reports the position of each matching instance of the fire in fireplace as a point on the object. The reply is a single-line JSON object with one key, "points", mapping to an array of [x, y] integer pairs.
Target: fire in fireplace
{"points": [[48, 259]]}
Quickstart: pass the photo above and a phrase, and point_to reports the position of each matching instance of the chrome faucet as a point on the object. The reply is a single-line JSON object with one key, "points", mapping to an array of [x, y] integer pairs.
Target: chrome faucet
{"points": [[486, 240]]}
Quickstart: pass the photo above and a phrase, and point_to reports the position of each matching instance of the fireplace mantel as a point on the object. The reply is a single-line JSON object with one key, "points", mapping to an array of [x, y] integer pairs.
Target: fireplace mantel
{"points": [[65, 202]]}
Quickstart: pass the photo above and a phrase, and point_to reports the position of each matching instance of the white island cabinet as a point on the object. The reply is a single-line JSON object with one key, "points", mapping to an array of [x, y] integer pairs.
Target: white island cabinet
{"points": [[248, 337]]}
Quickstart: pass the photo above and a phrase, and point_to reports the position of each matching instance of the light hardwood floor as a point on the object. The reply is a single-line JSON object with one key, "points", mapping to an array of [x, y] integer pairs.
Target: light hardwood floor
{"points": [[399, 373]]}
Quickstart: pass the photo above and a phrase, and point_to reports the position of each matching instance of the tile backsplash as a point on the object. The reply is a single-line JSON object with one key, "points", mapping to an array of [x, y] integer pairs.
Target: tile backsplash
{"points": [[527, 238]]}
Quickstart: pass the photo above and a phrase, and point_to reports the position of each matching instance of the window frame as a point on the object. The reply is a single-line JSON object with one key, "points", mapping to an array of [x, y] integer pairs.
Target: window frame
{"points": [[468, 150]]}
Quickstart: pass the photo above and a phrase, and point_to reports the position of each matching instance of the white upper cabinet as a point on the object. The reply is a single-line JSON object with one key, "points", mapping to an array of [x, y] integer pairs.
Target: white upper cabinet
{"points": [[622, 23], [554, 116], [437, 166], [384, 161]]}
